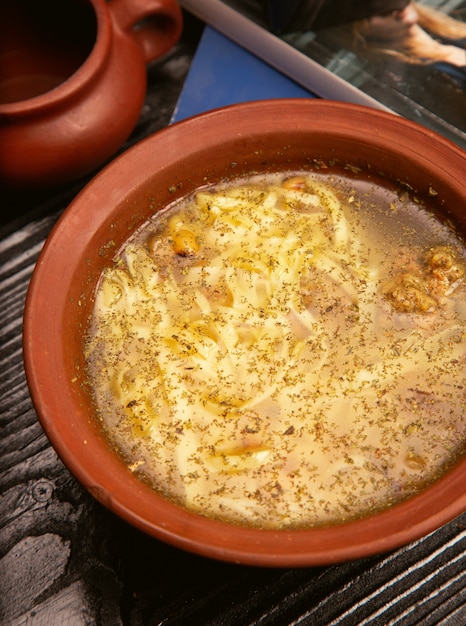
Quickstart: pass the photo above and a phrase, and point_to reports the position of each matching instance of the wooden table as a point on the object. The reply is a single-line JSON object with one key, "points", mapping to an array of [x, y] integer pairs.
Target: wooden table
{"points": [[64, 559]]}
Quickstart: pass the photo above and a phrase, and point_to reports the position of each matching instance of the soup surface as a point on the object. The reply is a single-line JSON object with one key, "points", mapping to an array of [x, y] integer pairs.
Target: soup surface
{"points": [[285, 351]]}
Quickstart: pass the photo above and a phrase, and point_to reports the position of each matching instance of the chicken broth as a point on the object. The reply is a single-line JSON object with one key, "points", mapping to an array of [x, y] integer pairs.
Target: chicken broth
{"points": [[284, 351]]}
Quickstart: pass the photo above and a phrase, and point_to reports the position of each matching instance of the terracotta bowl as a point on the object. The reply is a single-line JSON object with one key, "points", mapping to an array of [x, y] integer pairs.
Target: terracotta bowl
{"points": [[226, 143]]}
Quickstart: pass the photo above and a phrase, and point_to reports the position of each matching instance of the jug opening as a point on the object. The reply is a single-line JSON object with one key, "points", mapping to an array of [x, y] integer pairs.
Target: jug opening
{"points": [[42, 44]]}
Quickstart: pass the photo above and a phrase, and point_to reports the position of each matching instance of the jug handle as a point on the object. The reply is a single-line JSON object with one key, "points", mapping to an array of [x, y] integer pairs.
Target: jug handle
{"points": [[155, 24]]}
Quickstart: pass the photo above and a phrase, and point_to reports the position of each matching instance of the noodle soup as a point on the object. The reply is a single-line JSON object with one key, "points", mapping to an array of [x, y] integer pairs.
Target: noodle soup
{"points": [[284, 351]]}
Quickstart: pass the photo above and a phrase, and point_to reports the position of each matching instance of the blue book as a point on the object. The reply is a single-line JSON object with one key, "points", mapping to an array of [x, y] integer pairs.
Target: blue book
{"points": [[239, 51], [224, 73]]}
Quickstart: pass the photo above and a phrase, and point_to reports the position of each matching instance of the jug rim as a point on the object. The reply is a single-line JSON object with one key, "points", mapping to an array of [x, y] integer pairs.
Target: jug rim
{"points": [[79, 78]]}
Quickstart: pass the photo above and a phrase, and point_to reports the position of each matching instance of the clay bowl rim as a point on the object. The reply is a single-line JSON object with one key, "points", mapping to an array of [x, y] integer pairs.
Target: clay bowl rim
{"points": [[109, 207]]}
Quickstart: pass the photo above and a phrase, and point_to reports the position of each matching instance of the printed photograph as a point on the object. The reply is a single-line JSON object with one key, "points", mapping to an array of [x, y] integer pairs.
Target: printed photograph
{"points": [[409, 56]]}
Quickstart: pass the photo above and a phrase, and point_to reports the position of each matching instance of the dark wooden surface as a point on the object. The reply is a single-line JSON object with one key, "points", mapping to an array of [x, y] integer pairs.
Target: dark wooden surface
{"points": [[64, 559]]}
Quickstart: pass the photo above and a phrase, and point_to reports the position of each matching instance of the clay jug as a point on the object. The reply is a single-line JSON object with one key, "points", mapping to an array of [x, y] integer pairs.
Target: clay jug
{"points": [[73, 80]]}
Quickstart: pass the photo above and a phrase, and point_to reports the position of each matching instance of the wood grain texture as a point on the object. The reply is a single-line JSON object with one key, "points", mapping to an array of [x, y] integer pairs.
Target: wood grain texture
{"points": [[64, 559]]}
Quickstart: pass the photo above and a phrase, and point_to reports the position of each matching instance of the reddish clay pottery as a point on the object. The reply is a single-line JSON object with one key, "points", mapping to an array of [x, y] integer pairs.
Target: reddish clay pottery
{"points": [[238, 140], [73, 81]]}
